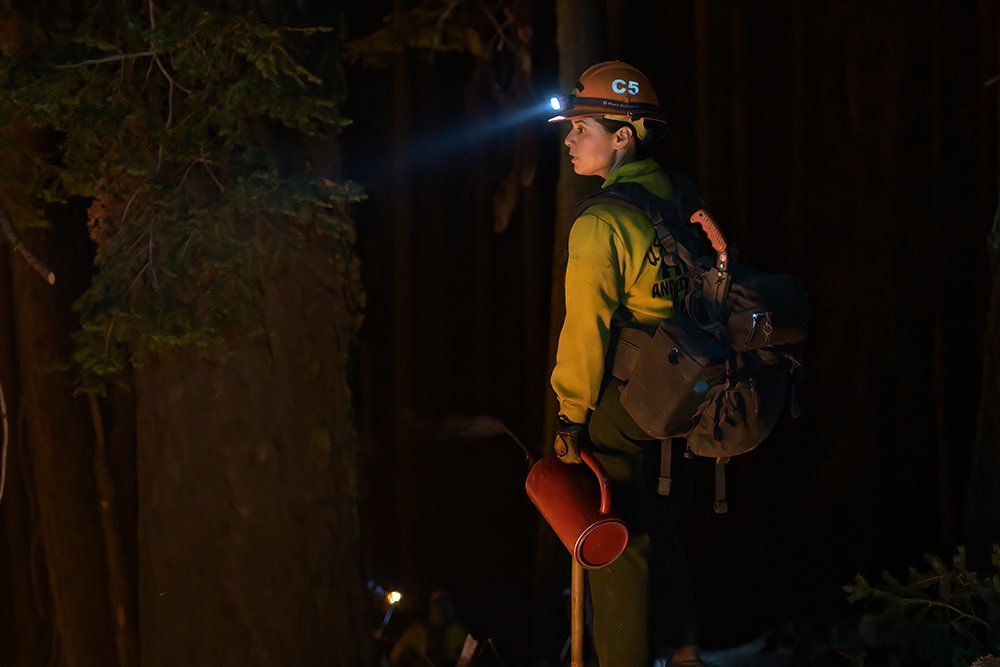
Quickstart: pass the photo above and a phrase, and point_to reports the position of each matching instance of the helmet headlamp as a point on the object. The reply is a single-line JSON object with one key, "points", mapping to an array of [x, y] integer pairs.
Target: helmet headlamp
{"points": [[616, 91]]}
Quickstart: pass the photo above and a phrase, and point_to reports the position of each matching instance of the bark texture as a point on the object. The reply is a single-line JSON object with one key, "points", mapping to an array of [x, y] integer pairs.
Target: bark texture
{"points": [[248, 536], [983, 512], [23, 610], [982, 517], [59, 449]]}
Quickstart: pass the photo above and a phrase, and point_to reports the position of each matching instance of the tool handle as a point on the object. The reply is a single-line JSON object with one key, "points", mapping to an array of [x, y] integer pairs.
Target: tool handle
{"points": [[577, 592], [602, 479], [715, 235]]}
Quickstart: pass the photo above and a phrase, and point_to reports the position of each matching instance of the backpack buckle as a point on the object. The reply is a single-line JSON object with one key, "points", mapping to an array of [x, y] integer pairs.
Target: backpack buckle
{"points": [[767, 329]]}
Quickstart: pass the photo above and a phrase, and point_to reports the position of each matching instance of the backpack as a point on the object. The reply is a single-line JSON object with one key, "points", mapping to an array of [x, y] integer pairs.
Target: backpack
{"points": [[719, 370]]}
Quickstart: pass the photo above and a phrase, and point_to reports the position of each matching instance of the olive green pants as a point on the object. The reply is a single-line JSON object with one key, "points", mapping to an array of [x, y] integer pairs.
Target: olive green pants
{"points": [[643, 602]]}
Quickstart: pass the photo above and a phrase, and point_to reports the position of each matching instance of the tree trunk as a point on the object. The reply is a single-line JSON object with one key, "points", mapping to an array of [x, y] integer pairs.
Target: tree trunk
{"points": [[26, 636], [403, 349], [983, 511], [580, 39], [119, 583], [703, 96], [59, 439], [740, 167], [941, 288], [247, 468]]}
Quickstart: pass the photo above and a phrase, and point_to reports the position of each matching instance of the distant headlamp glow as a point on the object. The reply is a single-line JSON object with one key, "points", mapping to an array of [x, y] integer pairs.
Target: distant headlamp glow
{"points": [[555, 103]]}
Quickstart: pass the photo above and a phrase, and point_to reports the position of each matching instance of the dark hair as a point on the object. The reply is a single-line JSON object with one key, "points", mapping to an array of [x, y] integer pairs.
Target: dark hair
{"points": [[642, 148]]}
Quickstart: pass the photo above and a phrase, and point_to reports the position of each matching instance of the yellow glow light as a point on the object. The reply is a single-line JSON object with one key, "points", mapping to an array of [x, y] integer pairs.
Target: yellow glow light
{"points": [[393, 597]]}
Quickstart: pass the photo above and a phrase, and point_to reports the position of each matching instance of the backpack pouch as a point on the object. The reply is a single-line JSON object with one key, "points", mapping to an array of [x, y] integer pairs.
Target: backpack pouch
{"points": [[673, 372], [766, 310], [739, 413]]}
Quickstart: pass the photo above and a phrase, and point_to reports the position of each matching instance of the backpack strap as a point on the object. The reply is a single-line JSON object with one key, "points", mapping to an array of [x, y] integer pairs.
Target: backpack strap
{"points": [[721, 506], [796, 373], [686, 232], [669, 217], [715, 285], [666, 452]]}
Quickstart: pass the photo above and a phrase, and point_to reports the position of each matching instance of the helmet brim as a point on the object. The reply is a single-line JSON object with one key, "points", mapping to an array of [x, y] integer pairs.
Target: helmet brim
{"points": [[580, 112], [577, 112], [595, 106]]}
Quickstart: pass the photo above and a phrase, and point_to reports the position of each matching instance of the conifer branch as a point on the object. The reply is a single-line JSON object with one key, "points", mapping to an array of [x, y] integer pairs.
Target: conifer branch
{"points": [[205, 163], [18, 245], [128, 205], [171, 84], [111, 326], [496, 26], [130, 288], [109, 59], [930, 580], [307, 31], [171, 81], [145, 81], [150, 264], [942, 605], [154, 231], [439, 27]]}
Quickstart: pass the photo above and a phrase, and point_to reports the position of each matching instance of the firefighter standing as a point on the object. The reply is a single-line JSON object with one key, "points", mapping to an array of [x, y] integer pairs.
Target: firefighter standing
{"points": [[617, 275]]}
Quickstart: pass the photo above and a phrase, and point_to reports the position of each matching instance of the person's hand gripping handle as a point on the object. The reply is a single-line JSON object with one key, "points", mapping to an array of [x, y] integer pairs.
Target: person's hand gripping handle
{"points": [[571, 448], [569, 441]]}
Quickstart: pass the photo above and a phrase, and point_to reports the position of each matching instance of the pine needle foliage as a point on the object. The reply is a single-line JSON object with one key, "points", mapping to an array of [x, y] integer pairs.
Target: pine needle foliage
{"points": [[183, 127], [435, 26], [944, 613]]}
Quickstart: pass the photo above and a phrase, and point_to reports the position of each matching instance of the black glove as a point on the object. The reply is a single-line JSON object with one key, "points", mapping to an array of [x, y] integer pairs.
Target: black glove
{"points": [[570, 440]]}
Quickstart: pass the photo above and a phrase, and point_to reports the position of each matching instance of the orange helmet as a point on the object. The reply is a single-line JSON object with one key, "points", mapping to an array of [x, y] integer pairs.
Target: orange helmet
{"points": [[612, 89]]}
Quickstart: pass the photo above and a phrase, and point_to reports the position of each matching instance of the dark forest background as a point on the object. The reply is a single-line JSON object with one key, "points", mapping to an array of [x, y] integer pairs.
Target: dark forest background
{"points": [[229, 508], [853, 144]]}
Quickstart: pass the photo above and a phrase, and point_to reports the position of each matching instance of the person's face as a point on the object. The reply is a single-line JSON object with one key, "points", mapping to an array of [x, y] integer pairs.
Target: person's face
{"points": [[593, 149]]}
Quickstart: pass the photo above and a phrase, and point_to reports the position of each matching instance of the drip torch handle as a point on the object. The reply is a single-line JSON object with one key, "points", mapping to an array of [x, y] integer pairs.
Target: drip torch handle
{"points": [[602, 479], [715, 236]]}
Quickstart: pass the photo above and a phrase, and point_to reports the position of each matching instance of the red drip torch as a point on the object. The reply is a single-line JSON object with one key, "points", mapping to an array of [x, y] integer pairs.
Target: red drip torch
{"points": [[579, 510], [576, 501]]}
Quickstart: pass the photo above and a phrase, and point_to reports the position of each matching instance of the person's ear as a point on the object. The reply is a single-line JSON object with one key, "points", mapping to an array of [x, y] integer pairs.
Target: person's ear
{"points": [[622, 136]]}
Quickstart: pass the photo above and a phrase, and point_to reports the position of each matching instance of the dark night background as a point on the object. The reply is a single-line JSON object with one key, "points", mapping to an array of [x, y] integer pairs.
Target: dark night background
{"points": [[854, 144]]}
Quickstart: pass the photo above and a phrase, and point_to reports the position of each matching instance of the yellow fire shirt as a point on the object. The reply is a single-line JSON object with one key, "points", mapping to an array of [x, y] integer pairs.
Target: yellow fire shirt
{"points": [[615, 261]]}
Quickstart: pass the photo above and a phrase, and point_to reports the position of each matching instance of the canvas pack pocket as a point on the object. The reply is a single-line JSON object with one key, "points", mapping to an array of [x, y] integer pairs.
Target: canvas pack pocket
{"points": [[739, 414], [766, 310], [672, 373]]}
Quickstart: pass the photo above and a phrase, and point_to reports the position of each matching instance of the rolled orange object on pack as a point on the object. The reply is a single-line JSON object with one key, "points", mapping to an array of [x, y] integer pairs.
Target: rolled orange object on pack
{"points": [[715, 235]]}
